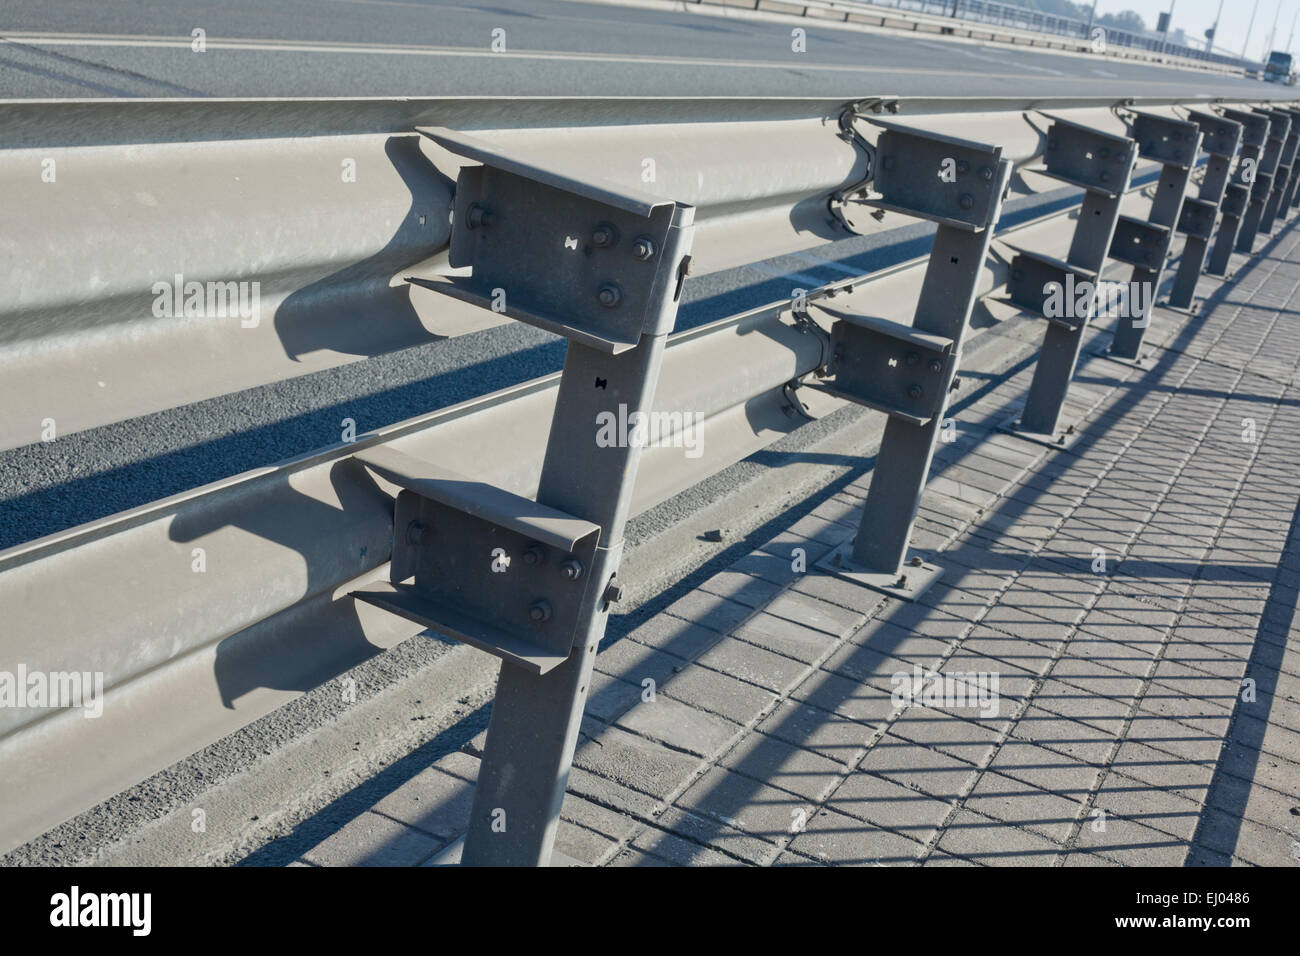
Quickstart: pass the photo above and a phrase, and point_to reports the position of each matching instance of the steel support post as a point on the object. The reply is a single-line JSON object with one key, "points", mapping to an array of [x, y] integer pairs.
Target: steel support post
{"points": [[1165, 208], [1220, 138], [909, 370], [1281, 181], [1234, 205], [530, 580], [1261, 183], [903, 464], [535, 720], [1061, 344]]}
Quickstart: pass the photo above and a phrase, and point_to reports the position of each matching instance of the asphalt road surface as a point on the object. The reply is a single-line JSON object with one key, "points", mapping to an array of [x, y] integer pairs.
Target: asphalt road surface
{"points": [[85, 48]]}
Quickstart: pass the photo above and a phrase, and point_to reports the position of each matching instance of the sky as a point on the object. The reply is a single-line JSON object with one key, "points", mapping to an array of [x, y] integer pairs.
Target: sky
{"points": [[1196, 16]]}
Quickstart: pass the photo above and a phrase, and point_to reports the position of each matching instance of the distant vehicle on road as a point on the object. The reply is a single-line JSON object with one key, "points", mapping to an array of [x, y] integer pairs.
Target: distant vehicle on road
{"points": [[1278, 68]]}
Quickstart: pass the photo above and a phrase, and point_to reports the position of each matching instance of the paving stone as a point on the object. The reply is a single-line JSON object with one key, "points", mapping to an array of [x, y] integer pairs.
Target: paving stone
{"points": [[779, 763], [786, 637], [745, 804], [373, 839], [919, 768], [890, 805], [837, 738], [432, 801], [1002, 798], [984, 840], [1045, 769], [841, 840], [846, 698], [1132, 844], [633, 761], [719, 694], [755, 665], [679, 851], [679, 726]]}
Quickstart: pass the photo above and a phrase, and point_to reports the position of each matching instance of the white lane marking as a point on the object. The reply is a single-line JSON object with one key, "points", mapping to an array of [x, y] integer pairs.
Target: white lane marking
{"points": [[1003, 60], [1104, 73]]}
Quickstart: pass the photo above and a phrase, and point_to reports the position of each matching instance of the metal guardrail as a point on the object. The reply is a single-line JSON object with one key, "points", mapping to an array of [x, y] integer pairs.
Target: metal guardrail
{"points": [[474, 522], [1011, 15], [1013, 21]]}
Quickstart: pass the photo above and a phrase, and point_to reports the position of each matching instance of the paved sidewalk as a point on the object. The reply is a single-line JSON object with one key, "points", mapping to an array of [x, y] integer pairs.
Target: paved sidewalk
{"points": [[1135, 597]]}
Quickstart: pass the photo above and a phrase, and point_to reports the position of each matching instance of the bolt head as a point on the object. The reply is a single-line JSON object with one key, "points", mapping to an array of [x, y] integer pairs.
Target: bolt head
{"points": [[540, 611], [967, 201], [609, 295], [419, 534], [643, 248], [915, 391], [571, 569], [602, 236]]}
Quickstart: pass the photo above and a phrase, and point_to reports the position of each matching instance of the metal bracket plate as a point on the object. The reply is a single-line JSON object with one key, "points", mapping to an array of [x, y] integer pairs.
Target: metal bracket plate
{"points": [[1219, 136], [490, 568], [1197, 217], [912, 176], [584, 260], [887, 366], [1254, 127], [1061, 439], [1143, 362], [1164, 139], [1029, 287], [1086, 157], [1234, 201], [1140, 243], [908, 584]]}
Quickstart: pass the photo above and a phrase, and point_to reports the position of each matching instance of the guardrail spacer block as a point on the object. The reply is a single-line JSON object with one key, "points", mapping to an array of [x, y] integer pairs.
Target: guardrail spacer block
{"points": [[886, 365], [1086, 157], [1254, 126], [1197, 217], [1164, 139], [1235, 198], [1031, 275], [912, 176], [490, 568], [1219, 136], [580, 258], [1140, 243]]}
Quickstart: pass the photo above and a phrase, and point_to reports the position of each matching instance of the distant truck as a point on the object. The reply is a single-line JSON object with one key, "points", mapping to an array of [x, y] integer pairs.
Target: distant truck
{"points": [[1278, 68]]}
